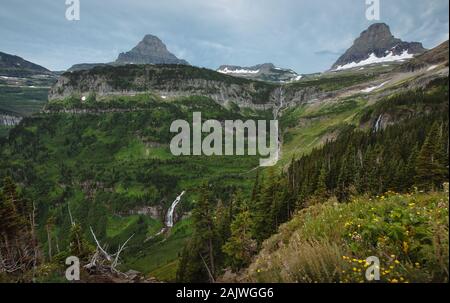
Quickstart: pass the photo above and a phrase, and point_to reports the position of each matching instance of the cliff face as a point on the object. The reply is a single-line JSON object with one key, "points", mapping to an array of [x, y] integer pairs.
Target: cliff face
{"points": [[165, 80], [170, 81]]}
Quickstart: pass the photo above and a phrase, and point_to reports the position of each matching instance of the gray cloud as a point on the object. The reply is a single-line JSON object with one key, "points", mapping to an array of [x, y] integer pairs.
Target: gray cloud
{"points": [[307, 36]]}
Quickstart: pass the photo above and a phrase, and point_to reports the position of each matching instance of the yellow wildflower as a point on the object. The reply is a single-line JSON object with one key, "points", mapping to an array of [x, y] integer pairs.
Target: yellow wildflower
{"points": [[405, 247]]}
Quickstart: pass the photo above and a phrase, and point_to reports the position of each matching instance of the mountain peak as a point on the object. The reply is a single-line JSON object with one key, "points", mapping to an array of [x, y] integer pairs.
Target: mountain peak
{"points": [[151, 50], [150, 37], [380, 27], [377, 35], [377, 44]]}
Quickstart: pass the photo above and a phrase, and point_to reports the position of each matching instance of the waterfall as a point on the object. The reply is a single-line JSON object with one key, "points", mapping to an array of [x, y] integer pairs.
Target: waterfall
{"points": [[169, 216], [378, 124], [276, 114]]}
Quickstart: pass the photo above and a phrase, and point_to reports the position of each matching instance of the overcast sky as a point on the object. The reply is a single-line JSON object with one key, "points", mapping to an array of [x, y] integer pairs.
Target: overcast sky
{"points": [[305, 35]]}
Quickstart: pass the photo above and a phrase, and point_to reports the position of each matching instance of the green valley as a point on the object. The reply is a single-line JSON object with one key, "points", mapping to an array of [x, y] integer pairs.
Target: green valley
{"points": [[87, 171]]}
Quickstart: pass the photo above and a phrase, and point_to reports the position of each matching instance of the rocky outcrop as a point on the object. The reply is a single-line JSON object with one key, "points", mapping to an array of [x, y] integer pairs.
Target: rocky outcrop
{"points": [[295, 96], [167, 81], [171, 81]]}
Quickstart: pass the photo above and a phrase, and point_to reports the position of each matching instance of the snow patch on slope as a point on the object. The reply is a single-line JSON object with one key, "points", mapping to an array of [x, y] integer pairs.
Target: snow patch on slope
{"points": [[372, 88], [237, 71], [432, 67], [373, 59]]}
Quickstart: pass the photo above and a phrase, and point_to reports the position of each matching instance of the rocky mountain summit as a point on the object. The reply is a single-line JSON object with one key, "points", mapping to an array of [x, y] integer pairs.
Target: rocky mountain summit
{"points": [[377, 45], [151, 50], [264, 72]]}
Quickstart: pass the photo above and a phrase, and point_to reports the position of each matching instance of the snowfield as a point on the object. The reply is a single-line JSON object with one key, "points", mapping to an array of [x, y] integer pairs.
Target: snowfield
{"points": [[373, 59], [237, 71], [297, 78], [372, 88]]}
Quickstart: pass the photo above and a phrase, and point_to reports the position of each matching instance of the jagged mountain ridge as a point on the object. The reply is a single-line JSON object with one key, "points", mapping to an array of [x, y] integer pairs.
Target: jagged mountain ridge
{"points": [[376, 45]]}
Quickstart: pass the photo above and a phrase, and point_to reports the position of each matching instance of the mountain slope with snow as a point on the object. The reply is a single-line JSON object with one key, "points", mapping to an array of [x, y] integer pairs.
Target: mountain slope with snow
{"points": [[377, 45], [264, 72]]}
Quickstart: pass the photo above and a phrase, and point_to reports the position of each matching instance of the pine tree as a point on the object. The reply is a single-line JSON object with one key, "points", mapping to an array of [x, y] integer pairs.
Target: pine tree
{"points": [[222, 229], [442, 153], [346, 177], [321, 192], [199, 258], [204, 227], [430, 169], [49, 226], [191, 268], [240, 247], [256, 188], [262, 211], [78, 245], [410, 169], [18, 250], [11, 220]]}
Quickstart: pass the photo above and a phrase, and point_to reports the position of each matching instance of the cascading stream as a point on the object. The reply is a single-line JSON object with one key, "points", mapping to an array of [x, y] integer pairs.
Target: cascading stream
{"points": [[169, 216]]}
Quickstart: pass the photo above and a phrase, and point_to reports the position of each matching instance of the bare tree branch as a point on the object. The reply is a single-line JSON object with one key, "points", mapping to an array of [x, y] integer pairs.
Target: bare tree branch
{"points": [[70, 215], [211, 277], [116, 260], [107, 256]]}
